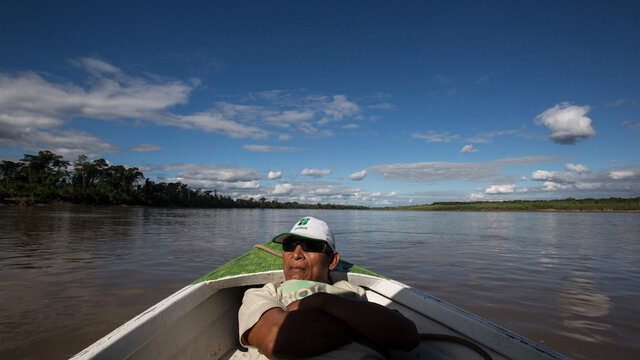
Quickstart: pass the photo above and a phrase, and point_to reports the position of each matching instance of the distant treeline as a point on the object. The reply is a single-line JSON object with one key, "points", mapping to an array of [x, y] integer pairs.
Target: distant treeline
{"points": [[570, 204], [45, 178]]}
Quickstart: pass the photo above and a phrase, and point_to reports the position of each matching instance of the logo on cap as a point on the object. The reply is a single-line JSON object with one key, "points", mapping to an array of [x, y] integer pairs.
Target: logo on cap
{"points": [[303, 222]]}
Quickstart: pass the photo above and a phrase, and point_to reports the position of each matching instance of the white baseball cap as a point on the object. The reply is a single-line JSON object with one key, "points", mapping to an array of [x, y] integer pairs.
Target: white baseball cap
{"points": [[310, 228]]}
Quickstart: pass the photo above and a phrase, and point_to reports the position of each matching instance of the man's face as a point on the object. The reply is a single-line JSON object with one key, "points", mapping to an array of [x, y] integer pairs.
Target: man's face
{"points": [[301, 265]]}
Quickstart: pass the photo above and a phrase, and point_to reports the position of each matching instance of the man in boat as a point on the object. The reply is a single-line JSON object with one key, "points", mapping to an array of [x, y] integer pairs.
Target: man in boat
{"points": [[308, 315]]}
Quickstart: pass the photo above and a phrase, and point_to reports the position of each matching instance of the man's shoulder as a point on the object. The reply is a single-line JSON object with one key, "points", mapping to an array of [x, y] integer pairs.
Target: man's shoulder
{"points": [[268, 289], [344, 284]]}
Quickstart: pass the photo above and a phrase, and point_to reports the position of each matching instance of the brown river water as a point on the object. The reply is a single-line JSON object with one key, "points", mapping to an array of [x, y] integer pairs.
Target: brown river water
{"points": [[570, 281]]}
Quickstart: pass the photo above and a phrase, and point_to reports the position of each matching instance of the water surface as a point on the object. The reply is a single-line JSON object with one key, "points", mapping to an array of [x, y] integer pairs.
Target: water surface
{"points": [[570, 281]]}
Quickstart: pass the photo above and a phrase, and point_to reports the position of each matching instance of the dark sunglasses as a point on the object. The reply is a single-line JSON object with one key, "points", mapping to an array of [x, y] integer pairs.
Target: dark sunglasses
{"points": [[290, 244]]}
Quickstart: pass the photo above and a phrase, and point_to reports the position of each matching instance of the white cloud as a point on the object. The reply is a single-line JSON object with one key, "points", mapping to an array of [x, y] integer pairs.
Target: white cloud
{"points": [[476, 197], [621, 174], [617, 103], [553, 186], [617, 182], [322, 192], [214, 121], [589, 186], [432, 136], [145, 147], [219, 172], [338, 108], [500, 189], [246, 195], [577, 168], [630, 125], [381, 106], [480, 138], [316, 173], [468, 149], [116, 95], [274, 175], [270, 149], [351, 126], [214, 184], [284, 137], [97, 67], [298, 110], [282, 189], [542, 175], [359, 175], [211, 176], [307, 128], [70, 143], [567, 123], [392, 194], [329, 190], [555, 176], [434, 172], [289, 116], [487, 137]]}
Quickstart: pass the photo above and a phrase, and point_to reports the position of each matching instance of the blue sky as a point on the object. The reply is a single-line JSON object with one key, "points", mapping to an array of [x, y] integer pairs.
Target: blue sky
{"points": [[358, 102]]}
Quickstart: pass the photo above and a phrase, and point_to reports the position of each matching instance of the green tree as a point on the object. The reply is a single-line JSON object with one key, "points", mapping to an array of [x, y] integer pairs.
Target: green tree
{"points": [[89, 180], [10, 178], [45, 174], [120, 183]]}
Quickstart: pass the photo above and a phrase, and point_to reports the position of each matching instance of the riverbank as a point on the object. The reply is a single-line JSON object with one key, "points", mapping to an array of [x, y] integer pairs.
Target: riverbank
{"points": [[564, 205], [631, 205]]}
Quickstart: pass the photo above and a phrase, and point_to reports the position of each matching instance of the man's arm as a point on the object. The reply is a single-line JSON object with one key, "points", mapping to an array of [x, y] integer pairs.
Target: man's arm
{"points": [[373, 321], [299, 333]]}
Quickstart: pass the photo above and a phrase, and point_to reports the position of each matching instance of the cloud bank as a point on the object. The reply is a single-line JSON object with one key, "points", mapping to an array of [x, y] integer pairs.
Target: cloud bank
{"points": [[620, 182], [36, 109], [435, 172], [270, 149]]}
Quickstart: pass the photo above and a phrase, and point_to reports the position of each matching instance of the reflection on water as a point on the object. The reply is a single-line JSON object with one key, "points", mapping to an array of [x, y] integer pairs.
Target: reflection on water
{"points": [[581, 299], [584, 299], [568, 280]]}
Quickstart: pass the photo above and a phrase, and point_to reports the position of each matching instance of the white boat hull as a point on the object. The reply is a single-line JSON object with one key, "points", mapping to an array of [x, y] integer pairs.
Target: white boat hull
{"points": [[200, 322]]}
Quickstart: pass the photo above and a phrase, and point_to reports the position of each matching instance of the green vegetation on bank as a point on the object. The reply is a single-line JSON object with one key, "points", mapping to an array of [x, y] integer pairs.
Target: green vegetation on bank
{"points": [[45, 179], [610, 204]]}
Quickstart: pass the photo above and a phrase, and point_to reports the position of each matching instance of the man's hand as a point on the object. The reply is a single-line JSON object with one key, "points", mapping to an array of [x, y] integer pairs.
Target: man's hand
{"points": [[299, 333], [294, 305], [314, 301], [375, 322]]}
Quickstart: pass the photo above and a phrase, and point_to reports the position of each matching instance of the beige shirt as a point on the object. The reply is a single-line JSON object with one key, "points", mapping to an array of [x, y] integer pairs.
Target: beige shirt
{"points": [[257, 301]]}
